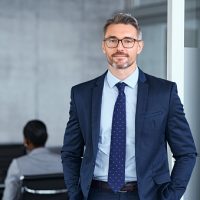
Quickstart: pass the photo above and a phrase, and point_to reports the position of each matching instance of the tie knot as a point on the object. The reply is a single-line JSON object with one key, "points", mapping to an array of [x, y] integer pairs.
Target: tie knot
{"points": [[120, 86]]}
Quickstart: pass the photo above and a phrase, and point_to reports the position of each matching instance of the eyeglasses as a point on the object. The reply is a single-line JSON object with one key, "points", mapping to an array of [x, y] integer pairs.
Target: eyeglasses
{"points": [[126, 42]]}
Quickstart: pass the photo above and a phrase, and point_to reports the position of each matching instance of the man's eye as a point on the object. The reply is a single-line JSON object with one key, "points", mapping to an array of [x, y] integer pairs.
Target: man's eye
{"points": [[112, 41], [127, 41]]}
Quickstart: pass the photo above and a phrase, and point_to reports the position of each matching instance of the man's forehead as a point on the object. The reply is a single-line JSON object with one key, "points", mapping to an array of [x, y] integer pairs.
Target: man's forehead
{"points": [[125, 30]]}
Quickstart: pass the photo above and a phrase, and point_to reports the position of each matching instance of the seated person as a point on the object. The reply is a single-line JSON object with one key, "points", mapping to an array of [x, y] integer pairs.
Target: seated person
{"points": [[39, 159]]}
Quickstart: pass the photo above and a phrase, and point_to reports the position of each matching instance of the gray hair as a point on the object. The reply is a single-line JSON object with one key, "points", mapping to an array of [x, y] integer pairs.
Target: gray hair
{"points": [[123, 18]]}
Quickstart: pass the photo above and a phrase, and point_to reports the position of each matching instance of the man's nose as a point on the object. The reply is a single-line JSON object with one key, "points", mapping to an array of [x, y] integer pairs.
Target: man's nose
{"points": [[120, 45]]}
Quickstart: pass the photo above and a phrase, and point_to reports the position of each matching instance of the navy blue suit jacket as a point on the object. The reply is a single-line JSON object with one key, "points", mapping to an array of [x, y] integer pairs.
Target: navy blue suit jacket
{"points": [[160, 119]]}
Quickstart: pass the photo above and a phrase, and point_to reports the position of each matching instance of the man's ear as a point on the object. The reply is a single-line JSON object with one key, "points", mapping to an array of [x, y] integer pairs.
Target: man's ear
{"points": [[25, 142], [103, 47], [140, 46], [28, 144]]}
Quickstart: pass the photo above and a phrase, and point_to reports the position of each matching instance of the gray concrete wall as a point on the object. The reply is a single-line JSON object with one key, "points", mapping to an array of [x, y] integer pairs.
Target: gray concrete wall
{"points": [[46, 46]]}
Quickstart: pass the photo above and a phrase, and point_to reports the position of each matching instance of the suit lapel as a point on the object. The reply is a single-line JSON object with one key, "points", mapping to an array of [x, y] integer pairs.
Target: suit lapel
{"points": [[142, 97], [96, 110]]}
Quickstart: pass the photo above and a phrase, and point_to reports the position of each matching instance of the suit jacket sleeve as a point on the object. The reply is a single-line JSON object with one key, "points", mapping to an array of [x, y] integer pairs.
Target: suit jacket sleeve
{"points": [[12, 182], [182, 146], [72, 152]]}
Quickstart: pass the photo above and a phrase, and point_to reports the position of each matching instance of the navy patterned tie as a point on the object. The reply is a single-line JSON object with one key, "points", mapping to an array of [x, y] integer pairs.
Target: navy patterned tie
{"points": [[116, 172]]}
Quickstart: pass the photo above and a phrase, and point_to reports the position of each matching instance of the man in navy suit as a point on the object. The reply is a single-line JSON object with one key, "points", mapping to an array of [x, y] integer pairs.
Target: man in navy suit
{"points": [[152, 117]]}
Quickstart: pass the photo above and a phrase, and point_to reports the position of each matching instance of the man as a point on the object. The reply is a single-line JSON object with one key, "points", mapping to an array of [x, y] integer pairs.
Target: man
{"points": [[115, 143], [39, 160]]}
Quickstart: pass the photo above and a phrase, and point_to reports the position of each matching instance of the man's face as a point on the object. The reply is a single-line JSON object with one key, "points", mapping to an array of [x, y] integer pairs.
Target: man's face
{"points": [[121, 57]]}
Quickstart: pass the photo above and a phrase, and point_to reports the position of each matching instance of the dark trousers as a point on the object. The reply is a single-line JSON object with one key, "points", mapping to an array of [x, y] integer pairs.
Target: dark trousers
{"points": [[96, 194]]}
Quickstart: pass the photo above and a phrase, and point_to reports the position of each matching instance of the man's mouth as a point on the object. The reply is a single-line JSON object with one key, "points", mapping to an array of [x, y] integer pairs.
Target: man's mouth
{"points": [[120, 55]]}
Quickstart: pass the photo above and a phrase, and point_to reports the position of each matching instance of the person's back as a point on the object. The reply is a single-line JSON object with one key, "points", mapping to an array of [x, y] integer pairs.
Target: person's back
{"points": [[39, 160]]}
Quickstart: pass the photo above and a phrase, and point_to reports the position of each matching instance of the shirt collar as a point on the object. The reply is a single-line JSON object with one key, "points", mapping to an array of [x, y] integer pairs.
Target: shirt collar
{"points": [[131, 80]]}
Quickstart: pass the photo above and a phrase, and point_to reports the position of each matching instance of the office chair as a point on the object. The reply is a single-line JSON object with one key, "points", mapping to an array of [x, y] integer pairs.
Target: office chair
{"points": [[43, 187]]}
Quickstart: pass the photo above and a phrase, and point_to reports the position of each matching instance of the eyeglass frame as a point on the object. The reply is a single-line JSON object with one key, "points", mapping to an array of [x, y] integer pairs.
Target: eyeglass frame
{"points": [[134, 40]]}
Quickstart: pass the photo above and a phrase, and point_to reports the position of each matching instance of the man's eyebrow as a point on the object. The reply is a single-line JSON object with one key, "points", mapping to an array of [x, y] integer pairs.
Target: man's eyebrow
{"points": [[128, 38], [114, 37]]}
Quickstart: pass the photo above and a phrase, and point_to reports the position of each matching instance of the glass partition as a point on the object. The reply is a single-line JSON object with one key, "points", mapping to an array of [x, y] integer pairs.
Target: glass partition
{"points": [[152, 16], [192, 82]]}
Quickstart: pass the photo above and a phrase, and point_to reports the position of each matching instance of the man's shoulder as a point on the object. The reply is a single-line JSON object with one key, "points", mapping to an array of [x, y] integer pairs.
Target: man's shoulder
{"points": [[17, 162], [157, 80], [38, 152], [35, 158], [90, 83]]}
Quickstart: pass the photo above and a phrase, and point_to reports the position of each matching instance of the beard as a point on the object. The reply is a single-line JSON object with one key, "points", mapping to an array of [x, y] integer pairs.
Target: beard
{"points": [[119, 64]]}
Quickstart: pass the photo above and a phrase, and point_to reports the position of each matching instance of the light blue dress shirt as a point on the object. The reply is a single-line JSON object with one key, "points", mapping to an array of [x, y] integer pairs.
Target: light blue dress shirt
{"points": [[110, 93]]}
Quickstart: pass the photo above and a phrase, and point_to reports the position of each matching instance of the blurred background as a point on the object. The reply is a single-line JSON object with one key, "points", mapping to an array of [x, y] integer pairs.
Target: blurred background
{"points": [[47, 46]]}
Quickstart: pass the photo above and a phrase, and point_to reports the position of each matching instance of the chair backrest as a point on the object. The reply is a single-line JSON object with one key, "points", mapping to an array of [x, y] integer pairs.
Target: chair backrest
{"points": [[45, 187], [7, 153]]}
